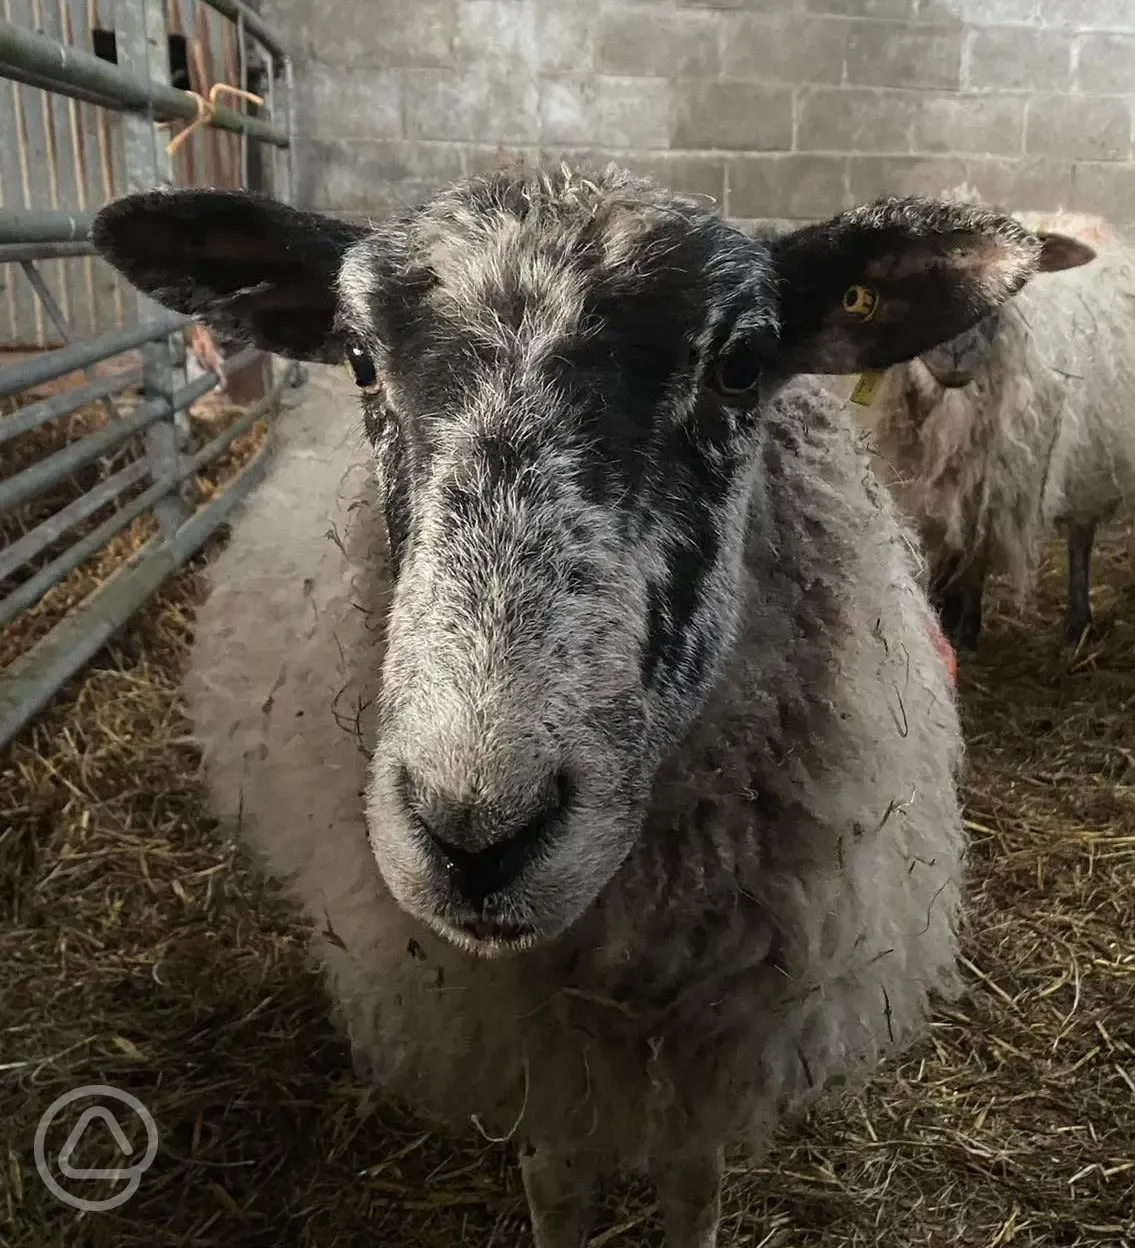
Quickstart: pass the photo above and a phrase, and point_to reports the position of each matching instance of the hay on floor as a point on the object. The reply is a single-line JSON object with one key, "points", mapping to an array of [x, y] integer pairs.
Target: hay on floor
{"points": [[136, 949]]}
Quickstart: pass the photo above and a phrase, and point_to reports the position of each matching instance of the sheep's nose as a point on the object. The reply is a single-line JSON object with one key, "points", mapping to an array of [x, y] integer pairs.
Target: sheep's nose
{"points": [[485, 847]]}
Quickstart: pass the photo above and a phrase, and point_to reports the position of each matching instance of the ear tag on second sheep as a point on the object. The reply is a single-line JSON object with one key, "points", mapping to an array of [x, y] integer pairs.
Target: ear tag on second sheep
{"points": [[861, 302]]}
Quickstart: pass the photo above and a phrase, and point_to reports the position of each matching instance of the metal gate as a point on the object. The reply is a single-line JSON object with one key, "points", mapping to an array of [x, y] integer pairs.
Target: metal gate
{"points": [[98, 98]]}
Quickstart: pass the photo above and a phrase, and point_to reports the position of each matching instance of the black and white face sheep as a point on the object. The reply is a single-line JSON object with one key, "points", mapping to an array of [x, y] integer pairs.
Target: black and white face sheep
{"points": [[656, 833]]}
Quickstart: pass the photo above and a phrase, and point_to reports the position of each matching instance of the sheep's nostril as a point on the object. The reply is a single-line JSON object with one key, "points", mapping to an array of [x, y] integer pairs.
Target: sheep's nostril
{"points": [[486, 848]]}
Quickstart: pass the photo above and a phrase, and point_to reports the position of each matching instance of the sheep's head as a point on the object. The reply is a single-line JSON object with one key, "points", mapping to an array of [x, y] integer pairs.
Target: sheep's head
{"points": [[562, 380]]}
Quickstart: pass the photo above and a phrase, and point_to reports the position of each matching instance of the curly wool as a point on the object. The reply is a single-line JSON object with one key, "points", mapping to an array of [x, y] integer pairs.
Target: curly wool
{"points": [[794, 898], [1041, 436]]}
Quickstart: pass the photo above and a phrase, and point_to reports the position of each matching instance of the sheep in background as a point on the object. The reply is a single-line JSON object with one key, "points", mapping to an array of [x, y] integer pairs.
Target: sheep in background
{"points": [[589, 703], [1019, 426]]}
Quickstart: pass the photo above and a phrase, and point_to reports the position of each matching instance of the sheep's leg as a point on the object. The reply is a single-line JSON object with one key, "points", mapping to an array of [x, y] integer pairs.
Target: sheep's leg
{"points": [[969, 617], [1078, 614], [949, 606], [959, 605], [689, 1196], [943, 577], [948, 595], [561, 1196]]}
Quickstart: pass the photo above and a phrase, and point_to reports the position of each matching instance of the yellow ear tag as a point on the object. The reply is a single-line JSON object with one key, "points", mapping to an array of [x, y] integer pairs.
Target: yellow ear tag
{"points": [[866, 388], [861, 302]]}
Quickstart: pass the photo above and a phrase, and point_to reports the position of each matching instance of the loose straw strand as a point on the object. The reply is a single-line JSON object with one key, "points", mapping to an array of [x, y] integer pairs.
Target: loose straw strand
{"points": [[206, 111]]}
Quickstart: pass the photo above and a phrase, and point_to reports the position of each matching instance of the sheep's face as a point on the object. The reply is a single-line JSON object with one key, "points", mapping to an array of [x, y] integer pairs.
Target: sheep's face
{"points": [[564, 411], [956, 363], [562, 381]]}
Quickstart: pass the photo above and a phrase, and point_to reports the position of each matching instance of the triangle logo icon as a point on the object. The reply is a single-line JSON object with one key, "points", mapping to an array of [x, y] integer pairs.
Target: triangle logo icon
{"points": [[103, 1114]]}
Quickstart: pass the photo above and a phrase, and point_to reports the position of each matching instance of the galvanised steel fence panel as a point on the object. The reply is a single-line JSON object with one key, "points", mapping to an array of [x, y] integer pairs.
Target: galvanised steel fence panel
{"points": [[91, 92]]}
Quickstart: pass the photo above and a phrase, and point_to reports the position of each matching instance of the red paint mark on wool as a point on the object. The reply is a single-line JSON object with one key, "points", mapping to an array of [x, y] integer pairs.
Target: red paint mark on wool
{"points": [[945, 650]]}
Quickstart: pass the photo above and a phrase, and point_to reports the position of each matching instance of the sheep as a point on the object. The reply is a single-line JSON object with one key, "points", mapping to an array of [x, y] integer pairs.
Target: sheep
{"points": [[584, 697], [1019, 427]]}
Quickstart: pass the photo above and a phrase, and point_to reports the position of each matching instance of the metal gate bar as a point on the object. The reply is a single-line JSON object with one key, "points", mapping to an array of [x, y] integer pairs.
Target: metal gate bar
{"points": [[134, 90]]}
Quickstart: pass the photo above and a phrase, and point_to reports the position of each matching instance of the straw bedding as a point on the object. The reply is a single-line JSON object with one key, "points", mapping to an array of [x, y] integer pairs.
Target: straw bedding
{"points": [[136, 949]]}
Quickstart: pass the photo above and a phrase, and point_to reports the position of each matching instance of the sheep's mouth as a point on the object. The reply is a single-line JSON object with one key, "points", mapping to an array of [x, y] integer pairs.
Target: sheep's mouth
{"points": [[491, 938]]}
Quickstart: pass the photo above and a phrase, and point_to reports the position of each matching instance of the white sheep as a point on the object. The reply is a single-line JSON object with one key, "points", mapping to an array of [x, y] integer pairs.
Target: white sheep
{"points": [[1019, 427], [588, 703]]}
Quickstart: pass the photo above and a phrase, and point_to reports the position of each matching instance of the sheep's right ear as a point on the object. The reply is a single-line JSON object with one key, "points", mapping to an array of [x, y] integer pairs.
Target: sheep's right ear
{"points": [[252, 269], [1061, 251]]}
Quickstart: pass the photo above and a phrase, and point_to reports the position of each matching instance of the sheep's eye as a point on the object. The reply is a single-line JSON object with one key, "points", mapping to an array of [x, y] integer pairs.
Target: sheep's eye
{"points": [[366, 375], [737, 369]]}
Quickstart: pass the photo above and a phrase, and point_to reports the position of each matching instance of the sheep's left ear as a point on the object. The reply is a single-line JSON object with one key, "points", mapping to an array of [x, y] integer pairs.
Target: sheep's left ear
{"points": [[881, 284]]}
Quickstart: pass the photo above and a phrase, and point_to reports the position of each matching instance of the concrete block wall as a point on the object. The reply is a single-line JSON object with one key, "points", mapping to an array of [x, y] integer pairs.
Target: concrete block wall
{"points": [[776, 108]]}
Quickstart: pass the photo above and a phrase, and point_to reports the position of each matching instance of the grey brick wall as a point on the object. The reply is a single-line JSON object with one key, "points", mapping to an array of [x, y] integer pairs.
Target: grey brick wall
{"points": [[776, 108]]}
